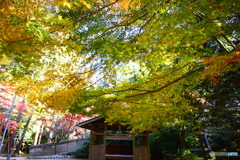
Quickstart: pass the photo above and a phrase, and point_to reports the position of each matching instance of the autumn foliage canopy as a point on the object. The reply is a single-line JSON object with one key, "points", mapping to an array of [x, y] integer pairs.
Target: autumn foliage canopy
{"points": [[139, 61]]}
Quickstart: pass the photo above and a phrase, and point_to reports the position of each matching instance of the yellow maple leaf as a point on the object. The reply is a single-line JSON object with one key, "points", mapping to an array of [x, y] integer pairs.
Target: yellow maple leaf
{"points": [[67, 5], [86, 4]]}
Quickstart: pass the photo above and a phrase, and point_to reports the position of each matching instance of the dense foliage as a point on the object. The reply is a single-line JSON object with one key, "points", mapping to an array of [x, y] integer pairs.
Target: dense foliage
{"points": [[150, 64], [15, 118], [58, 127], [82, 151], [151, 58]]}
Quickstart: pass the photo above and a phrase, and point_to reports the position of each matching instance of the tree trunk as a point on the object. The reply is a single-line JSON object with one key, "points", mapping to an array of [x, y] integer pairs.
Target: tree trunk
{"points": [[202, 146], [40, 135], [23, 134], [35, 142], [55, 148], [11, 144], [10, 154], [182, 137], [8, 119]]}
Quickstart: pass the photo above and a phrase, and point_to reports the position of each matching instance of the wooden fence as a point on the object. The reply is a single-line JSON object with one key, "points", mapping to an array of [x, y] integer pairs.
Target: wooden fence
{"points": [[48, 148]]}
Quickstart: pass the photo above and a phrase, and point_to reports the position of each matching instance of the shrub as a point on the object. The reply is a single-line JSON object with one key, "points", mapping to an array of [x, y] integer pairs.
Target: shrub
{"points": [[83, 150], [187, 155]]}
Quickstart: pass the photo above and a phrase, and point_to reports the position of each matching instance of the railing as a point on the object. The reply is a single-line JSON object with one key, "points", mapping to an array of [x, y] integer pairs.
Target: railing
{"points": [[118, 136]]}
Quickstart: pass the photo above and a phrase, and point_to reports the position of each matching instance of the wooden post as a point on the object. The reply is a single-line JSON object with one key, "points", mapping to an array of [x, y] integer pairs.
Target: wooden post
{"points": [[119, 129], [104, 139], [91, 141], [134, 157], [148, 145]]}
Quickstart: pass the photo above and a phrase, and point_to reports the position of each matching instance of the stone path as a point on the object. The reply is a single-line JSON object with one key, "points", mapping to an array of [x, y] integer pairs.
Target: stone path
{"points": [[51, 157], [14, 158]]}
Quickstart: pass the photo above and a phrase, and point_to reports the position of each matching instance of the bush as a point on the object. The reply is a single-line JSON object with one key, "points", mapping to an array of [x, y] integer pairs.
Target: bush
{"points": [[164, 144], [187, 155], [82, 151]]}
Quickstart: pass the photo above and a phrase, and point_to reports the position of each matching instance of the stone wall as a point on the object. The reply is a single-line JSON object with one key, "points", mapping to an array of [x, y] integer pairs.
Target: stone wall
{"points": [[48, 148]]}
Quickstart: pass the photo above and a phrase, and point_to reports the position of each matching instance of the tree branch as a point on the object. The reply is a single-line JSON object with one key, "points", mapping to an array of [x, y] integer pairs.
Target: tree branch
{"points": [[169, 84], [221, 44]]}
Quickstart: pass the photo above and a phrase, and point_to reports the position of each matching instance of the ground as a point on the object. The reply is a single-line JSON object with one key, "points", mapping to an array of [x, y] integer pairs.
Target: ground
{"points": [[25, 158]]}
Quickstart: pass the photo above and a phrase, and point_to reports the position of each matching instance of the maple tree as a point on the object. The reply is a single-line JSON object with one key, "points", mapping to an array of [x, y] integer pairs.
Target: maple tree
{"points": [[174, 46], [59, 126], [33, 39], [141, 62], [14, 119]]}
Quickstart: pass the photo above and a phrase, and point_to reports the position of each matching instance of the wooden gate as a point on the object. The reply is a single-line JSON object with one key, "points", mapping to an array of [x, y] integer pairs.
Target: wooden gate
{"points": [[97, 152]]}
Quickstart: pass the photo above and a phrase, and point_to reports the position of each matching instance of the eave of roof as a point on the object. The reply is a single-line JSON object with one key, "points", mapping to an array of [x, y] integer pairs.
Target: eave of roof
{"points": [[85, 123]]}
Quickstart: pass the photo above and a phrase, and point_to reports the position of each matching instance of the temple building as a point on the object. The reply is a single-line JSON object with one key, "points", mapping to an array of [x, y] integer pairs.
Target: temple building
{"points": [[116, 141]]}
